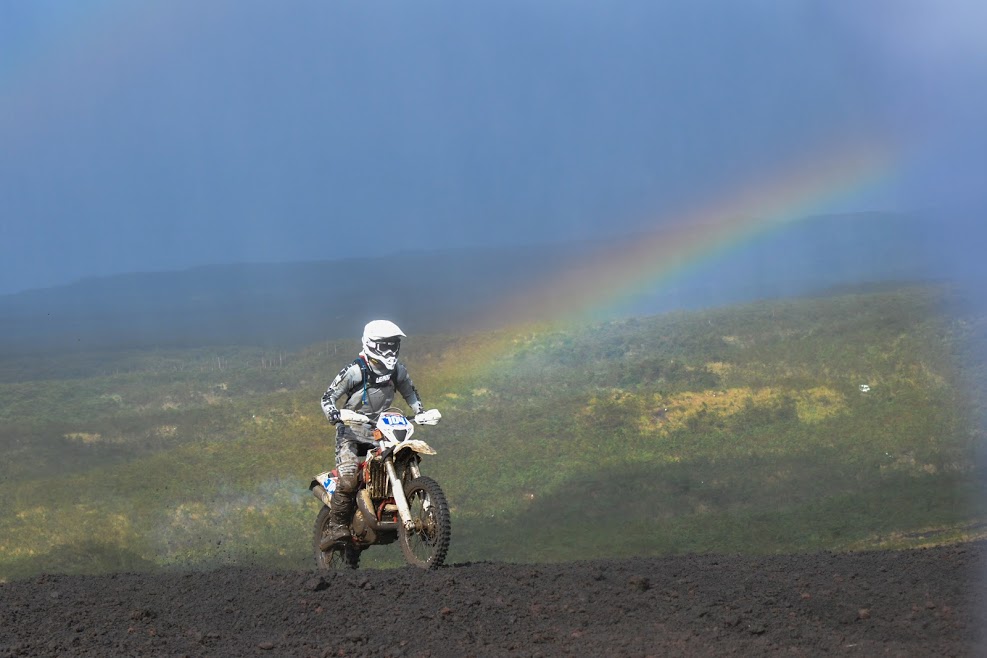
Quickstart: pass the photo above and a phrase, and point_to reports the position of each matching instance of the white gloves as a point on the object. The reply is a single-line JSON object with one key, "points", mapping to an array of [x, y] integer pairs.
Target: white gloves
{"points": [[430, 417], [347, 415]]}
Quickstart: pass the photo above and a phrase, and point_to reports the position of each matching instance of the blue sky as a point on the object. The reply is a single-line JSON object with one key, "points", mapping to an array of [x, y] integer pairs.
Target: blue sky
{"points": [[163, 135]]}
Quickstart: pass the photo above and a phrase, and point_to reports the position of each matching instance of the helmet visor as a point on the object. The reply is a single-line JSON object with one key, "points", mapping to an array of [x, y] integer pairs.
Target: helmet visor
{"points": [[386, 347]]}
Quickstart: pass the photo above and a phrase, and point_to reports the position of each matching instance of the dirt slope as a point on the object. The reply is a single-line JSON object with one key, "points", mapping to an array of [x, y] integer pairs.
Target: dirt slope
{"points": [[913, 603]]}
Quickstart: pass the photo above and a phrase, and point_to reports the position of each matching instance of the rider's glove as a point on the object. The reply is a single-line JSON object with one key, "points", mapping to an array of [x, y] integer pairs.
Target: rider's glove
{"points": [[332, 414], [430, 417]]}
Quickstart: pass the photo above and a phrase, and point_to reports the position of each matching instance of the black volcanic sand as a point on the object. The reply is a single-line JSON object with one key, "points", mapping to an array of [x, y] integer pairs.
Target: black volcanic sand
{"points": [[928, 602]]}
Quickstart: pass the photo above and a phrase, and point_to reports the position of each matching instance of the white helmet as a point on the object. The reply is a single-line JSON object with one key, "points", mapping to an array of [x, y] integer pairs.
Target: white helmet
{"points": [[381, 343]]}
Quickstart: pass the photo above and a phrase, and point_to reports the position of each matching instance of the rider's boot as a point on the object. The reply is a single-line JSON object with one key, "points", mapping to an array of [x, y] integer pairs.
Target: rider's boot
{"points": [[339, 519]]}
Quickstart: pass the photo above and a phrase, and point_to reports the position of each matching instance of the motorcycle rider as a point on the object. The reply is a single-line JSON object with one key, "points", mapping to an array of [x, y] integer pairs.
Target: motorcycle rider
{"points": [[366, 386]]}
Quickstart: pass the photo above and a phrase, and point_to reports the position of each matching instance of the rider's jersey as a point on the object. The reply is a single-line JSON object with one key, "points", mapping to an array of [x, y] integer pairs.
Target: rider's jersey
{"points": [[370, 396]]}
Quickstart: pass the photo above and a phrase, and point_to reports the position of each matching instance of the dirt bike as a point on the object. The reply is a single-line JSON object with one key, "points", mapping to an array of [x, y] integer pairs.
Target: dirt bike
{"points": [[394, 500]]}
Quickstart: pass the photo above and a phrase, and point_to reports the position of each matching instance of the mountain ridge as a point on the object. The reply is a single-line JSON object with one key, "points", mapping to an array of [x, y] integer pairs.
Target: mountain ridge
{"points": [[439, 290]]}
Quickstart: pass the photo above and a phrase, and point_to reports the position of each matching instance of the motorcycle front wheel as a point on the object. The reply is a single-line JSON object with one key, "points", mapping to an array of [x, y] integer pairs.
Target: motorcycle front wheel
{"points": [[340, 556], [426, 544]]}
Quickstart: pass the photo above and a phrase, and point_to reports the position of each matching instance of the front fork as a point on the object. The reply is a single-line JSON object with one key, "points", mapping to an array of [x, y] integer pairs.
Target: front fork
{"points": [[397, 488]]}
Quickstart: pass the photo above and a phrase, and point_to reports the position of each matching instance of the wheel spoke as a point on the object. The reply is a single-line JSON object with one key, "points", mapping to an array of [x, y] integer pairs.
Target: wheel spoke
{"points": [[426, 543], [338, 556]]}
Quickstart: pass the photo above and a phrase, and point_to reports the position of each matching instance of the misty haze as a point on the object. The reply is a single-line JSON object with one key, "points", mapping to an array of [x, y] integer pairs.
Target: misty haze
{"points": [[698, 289]]}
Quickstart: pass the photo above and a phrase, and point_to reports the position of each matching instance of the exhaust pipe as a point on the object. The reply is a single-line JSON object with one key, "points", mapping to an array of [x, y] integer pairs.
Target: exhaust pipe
{"points": [[320, 492], [366, 509], [362, 501]]}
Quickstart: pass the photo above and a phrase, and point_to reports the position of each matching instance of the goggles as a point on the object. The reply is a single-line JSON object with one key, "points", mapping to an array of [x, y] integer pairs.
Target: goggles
{"points": [[386, 347]]}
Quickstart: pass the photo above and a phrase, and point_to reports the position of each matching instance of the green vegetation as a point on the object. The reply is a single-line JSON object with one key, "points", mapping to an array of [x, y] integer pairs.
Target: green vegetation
{"points": [[735, 429]]}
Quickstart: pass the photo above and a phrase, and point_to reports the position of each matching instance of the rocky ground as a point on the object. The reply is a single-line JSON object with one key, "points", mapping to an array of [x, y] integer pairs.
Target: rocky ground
{"points": [[927, 602]]}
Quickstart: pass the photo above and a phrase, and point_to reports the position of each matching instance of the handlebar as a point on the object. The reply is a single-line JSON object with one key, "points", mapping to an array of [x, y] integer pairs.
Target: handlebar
{"points": [[430, 417]]}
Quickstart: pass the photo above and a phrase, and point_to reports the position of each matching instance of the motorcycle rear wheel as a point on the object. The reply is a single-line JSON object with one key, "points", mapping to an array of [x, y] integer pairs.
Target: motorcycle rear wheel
{"points": [[426, 545], [340, 556]]}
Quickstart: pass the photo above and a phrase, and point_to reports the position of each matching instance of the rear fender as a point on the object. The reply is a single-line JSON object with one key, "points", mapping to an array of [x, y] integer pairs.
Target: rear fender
{"points": [[322, 480]]}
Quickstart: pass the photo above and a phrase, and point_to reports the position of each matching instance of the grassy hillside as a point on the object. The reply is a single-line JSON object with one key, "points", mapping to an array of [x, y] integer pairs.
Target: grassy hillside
{"points": [[736, 429]]}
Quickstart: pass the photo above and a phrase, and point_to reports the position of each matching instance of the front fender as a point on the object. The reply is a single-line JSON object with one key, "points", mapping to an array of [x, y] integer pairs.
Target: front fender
{"points": [[417, 446]]}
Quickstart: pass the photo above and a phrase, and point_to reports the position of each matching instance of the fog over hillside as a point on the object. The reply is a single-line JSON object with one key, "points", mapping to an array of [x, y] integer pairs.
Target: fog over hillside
{"points": [[442, 291]]}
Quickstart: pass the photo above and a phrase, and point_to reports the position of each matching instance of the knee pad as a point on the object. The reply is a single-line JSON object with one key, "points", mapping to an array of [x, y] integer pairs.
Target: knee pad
{"points": [[348, 479]]}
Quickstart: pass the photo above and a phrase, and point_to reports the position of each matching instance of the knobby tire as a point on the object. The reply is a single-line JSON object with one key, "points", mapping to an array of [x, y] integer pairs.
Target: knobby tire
{"points": [[426, 545], [340, 556]]}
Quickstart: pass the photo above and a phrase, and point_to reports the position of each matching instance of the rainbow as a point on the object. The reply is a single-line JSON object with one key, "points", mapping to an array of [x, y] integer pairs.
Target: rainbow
{"points": [[615, 273]]}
